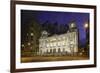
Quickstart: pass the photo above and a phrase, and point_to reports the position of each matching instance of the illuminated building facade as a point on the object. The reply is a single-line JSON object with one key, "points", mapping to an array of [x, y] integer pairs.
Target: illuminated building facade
{"points": [[66, 43]]}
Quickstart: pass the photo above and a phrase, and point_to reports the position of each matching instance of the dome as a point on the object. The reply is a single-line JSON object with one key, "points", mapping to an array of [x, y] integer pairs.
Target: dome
{"points": [[72, 25], [44, 33]]}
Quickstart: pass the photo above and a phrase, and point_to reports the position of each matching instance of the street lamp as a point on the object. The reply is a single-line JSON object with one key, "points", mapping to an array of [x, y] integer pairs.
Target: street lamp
{"points": [[29, 44], [86, 25], [32, 34], [23, 45]]}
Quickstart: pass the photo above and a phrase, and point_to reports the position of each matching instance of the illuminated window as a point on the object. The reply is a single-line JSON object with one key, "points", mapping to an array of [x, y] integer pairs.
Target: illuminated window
{"points": [[29, 44], [32, 34], [22, 45]]}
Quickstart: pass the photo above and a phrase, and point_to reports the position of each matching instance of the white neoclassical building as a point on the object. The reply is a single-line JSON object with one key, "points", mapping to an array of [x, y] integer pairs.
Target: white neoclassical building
{"points": [[66, 43]]}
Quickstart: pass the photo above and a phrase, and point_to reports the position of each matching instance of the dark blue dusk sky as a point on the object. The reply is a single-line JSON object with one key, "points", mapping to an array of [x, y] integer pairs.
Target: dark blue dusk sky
{"points": [[61, 18]]}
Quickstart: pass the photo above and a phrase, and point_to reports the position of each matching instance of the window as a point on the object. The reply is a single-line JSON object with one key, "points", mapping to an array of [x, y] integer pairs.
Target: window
{"points": [[50, 50], [59, 50], [63, 49], [54, 50]]}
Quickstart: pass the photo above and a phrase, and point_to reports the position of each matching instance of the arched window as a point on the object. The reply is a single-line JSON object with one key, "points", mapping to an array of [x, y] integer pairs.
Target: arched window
{"points": [[59, 50], [47, 51], [63, 49], [54, 50], [72, 48], [50, 50], [40, 51]]}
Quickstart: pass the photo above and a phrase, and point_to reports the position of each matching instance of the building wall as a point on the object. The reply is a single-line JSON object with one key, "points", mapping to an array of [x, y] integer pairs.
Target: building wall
{"points": [[66, 43]]}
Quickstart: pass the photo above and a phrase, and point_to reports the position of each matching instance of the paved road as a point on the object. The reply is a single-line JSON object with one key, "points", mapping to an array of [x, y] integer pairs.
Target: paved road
{"points": [[52, 58]]}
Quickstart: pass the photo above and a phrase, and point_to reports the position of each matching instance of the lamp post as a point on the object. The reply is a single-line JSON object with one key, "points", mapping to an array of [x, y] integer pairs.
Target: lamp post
{"points": [[86, 26]]}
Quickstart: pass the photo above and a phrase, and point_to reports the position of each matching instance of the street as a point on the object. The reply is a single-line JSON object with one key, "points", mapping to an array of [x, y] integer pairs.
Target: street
{"points": [[51, 58]]}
